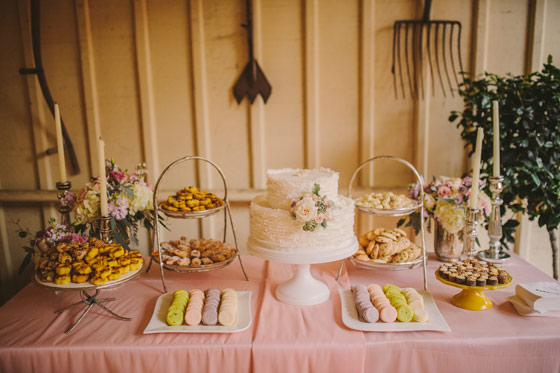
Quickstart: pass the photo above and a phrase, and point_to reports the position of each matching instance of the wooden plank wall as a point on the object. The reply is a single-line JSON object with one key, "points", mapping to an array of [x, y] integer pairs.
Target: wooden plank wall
{"points": [[154, 78]]}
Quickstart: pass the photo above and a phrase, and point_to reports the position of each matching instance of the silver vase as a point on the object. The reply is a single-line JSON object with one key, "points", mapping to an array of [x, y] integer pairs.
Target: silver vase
{"points": [[447, 246]]}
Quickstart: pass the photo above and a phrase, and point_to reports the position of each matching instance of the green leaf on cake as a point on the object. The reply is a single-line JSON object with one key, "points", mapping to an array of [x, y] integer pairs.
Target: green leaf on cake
{"points": [[316, 189]]}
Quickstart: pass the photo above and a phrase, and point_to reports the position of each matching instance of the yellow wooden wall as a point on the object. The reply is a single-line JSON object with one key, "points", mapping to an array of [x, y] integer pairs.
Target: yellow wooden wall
{"points": [[155, 77]]}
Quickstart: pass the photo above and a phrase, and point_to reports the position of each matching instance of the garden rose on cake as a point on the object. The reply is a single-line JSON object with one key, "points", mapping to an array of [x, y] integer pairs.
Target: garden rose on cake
{"points": [[305, 209]]}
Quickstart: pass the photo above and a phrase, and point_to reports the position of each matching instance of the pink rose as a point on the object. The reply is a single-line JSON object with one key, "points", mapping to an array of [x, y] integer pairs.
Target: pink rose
{"points": [[319, 218], [444, 191]]}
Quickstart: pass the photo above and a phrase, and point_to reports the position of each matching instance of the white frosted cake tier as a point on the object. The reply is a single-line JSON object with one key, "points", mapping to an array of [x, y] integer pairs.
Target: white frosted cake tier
{"points": [[286, 184], [275, 229]]}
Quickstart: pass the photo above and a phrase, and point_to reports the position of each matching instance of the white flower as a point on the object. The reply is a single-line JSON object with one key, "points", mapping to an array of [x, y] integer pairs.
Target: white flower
{"points": [[305, 209], [143, 198], [88, 210], [451, 216]]}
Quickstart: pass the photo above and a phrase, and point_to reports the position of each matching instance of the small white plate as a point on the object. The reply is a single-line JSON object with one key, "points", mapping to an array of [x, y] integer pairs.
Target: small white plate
{"points": [[157, 323], [351, 320]]}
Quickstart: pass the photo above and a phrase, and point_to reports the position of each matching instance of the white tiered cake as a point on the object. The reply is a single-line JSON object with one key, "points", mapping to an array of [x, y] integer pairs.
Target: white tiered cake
{"points": [[302, 212]]}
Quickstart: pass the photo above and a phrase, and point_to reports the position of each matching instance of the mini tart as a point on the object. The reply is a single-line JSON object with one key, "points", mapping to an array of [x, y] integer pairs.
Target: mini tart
{"points": [[97, 281], [116, 252], [63, 269], [124, 269], [123, 261], [83, 269], [115, 275], [103, 272], [62, 280]]}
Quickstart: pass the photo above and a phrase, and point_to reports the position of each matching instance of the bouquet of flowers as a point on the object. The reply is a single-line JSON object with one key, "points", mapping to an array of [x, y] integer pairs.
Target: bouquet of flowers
{"points": [[45, 240], [130, 203], [312, 210], [446, 198]]}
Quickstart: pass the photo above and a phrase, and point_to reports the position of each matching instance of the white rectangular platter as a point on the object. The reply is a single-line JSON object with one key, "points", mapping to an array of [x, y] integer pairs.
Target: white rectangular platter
{"points": [[157, 323], [351, 320]]}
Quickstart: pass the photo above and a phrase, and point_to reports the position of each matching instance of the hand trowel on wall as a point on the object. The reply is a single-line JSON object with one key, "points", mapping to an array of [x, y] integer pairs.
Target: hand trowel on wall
{"points": [[252, 80]]}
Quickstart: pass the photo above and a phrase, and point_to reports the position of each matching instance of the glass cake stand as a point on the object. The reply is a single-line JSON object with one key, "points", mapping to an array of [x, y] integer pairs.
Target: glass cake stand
{"points": [[303, 289]]}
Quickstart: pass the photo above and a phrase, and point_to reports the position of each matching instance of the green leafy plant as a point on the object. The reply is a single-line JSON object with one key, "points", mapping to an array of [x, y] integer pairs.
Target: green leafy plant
{"points": [[529, 142]]}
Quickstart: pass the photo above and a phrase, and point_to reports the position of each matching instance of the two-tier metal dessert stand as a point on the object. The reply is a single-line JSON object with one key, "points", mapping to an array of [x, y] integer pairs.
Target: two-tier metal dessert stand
{"points": [[393, 212], [193, 215]]}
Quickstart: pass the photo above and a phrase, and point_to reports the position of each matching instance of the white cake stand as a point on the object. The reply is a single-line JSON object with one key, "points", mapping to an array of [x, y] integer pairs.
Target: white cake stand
{"points": [[303, 289]]}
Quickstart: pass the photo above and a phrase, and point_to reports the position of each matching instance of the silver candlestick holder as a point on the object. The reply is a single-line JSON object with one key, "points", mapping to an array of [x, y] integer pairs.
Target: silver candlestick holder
{"points": [[63, 208], [495, 254], [471, 233], [105, 229]]}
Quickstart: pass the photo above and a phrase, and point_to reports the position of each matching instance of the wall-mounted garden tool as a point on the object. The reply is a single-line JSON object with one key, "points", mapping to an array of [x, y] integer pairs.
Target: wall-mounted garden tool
{"points": [[40, 72], [252, 80], [442, 41]]}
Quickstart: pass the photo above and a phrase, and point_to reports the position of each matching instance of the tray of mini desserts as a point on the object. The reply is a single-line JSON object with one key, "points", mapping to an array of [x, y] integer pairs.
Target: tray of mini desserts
{"points": [[191, 203], [198, 311], [89, 265], [474, 274], [389, 308], [195, 255]]}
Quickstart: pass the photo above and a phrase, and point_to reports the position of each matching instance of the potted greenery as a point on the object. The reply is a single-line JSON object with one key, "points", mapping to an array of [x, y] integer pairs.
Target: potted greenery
{"points": [[529, 142]]}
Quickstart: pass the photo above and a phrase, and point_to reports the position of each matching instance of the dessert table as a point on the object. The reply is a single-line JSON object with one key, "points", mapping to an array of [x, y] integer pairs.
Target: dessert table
{"points": [[281, 337]]}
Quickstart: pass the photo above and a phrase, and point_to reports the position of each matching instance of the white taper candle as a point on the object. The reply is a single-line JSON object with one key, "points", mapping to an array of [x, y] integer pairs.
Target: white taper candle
{"points": [[496, 113], [102, 178], [476, 169]]}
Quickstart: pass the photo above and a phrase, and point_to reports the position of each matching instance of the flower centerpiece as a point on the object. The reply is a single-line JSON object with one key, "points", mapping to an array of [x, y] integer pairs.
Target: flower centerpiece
{"points": [[44, 241], [130, 203], [445, 200], [312, 209]]}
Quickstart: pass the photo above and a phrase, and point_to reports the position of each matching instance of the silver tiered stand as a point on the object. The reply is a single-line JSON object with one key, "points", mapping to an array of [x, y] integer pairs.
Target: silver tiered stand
{"points": [[192, 215], [393, 212], [91, 300], [495, 254]]}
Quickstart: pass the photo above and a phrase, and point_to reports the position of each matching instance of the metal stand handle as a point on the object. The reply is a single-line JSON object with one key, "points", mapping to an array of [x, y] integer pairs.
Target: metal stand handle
{"points": [[421, 183], [227, 213]]}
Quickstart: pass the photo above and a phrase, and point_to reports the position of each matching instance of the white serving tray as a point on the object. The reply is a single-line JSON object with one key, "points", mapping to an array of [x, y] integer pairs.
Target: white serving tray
{"points": [[157, 323], [351, 320]]}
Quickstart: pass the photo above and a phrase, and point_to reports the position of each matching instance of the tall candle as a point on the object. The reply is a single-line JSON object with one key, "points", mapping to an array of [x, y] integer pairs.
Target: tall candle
{"points": [[496, 112], [102, 178], [476, 169], [59, 146]]}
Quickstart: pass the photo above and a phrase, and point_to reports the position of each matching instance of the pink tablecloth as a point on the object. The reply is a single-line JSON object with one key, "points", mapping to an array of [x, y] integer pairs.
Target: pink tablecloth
{"points": [[282, 337]]}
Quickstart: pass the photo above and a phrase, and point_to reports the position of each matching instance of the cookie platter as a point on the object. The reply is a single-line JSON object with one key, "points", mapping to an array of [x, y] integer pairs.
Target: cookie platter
{"points": [[158, 324], [386, 266], [352, 320], [399, 211], [200, 268]]}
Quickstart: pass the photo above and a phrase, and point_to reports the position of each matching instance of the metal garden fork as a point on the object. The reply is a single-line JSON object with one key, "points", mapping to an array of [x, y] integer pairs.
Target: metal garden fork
{"points": [[414, 30]]}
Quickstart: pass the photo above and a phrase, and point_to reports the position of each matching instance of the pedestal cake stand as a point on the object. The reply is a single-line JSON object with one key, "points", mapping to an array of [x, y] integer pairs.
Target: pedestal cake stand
{"points": [[303, 289]]}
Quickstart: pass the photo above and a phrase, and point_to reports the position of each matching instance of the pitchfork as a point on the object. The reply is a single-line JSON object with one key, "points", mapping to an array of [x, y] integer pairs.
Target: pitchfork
{"points": [[414, 30]]}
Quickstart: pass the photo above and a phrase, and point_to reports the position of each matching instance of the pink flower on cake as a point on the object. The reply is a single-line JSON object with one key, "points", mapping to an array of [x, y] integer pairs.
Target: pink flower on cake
{"points": [[319, 218]]}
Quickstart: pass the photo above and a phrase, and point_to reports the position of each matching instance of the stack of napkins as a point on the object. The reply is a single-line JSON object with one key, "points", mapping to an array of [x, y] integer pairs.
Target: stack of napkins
{"points": [[537, 299]]}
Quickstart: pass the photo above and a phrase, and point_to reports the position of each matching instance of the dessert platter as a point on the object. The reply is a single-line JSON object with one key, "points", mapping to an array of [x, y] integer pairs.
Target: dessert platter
{"points": [[197, 311], [473, 276], [398, 251], [195, 255], [89, 265], [193, 203], [302, 220], [386, 249], [390, 204], [389, 308]]}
